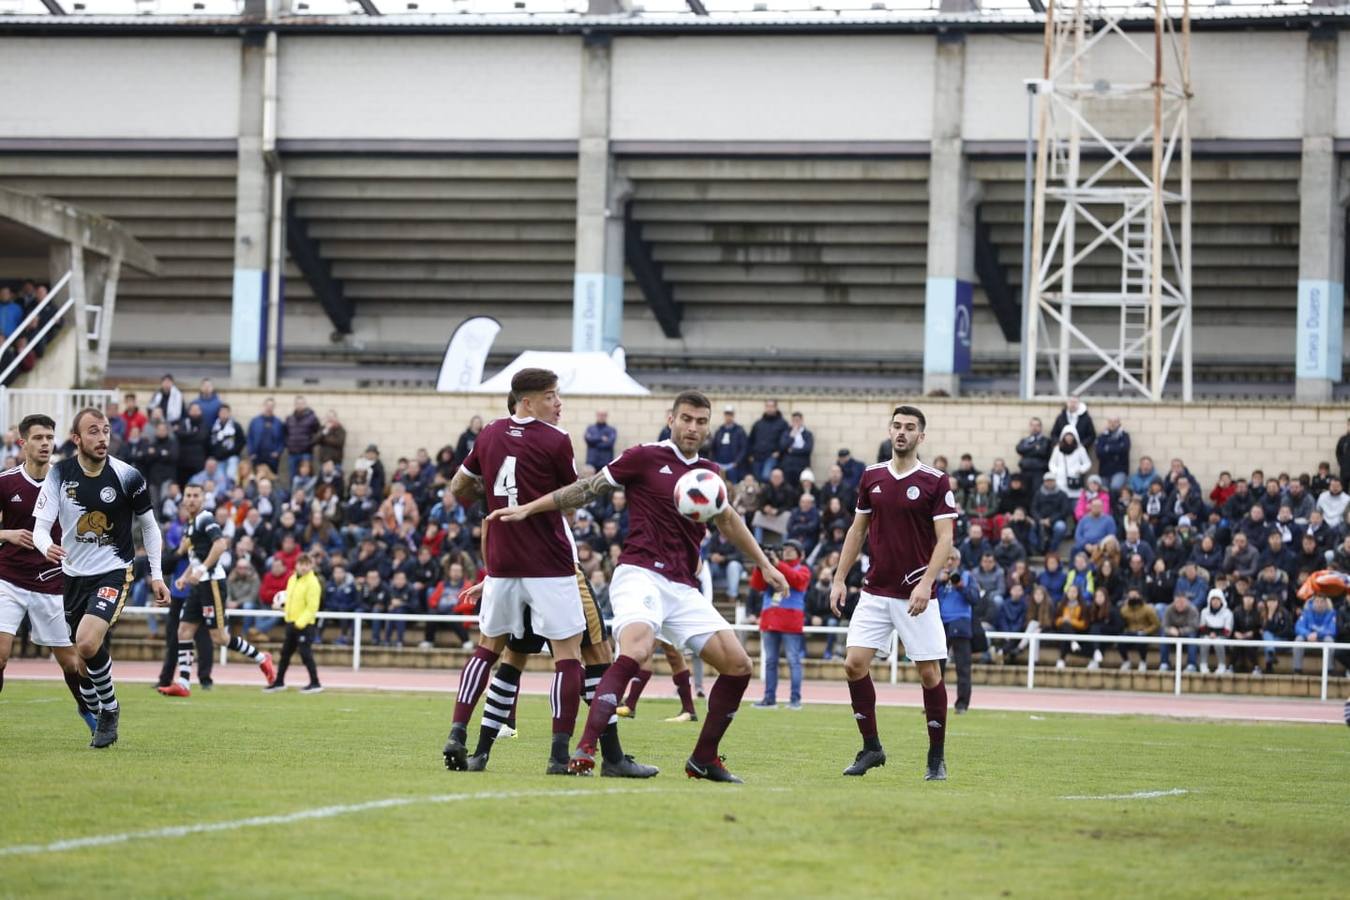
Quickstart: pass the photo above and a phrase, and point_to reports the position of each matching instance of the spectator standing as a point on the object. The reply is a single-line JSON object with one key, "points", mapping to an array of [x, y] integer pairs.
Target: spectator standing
{"points": [[467, 438], [959, 624], [302, 431], [1334, 501], [267, 438], [600, 440], [304, 594], [1343, 454], [11, 312], [168, 400], [780, 624], [1113, 455], [1033, 453], [730, 446], [766, 437], [132, 415], [796, 448], [193, 440], [227, 441], [1074, 414], [1069, 463], [209, 402], [330, 444]]}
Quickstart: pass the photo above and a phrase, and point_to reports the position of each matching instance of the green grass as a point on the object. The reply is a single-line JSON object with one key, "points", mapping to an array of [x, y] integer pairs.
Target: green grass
{"points": [[1264, 816]]}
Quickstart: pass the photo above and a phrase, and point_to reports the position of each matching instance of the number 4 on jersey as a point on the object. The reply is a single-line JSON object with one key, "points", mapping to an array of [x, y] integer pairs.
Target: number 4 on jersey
{"points": [[505, 485]]}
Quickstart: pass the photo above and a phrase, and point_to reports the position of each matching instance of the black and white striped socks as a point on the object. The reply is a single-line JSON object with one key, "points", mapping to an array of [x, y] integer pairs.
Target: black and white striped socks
{"points": [[239, 645], [186, 651], [100, 676]]}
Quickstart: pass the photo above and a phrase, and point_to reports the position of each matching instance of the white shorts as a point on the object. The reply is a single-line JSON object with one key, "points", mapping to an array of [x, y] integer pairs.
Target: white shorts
{"points": [[46, 615], [554, 604], [922, 636], [679, 614]]}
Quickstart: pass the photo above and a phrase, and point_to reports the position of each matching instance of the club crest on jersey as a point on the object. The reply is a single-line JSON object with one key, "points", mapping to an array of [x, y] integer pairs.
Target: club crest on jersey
{"points": [[913, 492], [951, 499], [107, 495], [107, 593]]}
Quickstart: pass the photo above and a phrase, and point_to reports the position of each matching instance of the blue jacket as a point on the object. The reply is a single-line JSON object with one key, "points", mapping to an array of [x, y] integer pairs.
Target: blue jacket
{"points": [[1113, 453], [1054, 582], [1012, 615], [1313, 622], [1093, 531], [266, 438], [730, 444], [956, 612], [1196, 589], [1139, 483], [600, 440], [210, 407]]}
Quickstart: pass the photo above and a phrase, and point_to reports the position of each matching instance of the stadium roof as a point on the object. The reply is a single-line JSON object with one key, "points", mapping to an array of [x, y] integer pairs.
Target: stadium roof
{"points": [[641, 15]]}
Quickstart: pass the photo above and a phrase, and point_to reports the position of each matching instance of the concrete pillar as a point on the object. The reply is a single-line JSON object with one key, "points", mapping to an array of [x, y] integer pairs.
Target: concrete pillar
{"points": [[952, 196], [248, 309], [597, 288], [1321, 254]]}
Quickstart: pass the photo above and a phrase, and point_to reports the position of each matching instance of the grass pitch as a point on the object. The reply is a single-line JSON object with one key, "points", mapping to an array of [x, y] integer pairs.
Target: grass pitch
{"points": [[344, 794]]}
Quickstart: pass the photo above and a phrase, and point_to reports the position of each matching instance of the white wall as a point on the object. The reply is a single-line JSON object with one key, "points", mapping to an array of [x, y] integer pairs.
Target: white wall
{"points": [[434, 87], [110, 87], [813, 88], [1246, 85]]}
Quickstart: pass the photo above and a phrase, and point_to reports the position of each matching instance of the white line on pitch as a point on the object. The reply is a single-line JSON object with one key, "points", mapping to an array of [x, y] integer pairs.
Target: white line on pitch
{"points": [[322, 812], [1137, 795]]}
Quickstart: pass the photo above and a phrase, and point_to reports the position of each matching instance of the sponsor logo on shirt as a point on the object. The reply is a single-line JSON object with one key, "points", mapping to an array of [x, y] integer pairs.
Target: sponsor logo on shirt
{"points": [[107, 593], [107, 495]]}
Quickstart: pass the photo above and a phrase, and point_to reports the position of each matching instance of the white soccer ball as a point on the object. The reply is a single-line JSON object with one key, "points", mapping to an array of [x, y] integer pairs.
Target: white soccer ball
{"points": [[279, 600], [700, 495]]}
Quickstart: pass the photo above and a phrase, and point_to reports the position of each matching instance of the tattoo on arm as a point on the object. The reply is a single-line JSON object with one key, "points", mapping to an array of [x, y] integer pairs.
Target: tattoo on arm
{"points": [[580, 493], [465, 487]]}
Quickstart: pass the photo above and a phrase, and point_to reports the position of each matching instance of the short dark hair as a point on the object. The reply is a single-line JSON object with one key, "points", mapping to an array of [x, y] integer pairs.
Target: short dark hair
{"points": [[693, 399], [906, 410], [87, 411], [192, 487], [26, 425], [511, 403], [532, 381]]}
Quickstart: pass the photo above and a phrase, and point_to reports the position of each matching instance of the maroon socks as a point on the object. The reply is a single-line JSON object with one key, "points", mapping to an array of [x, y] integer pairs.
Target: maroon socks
{"points": [[935, 711], [635, 689], [863, 693], [723, 701], [472, 682], [685, 691], [606, 700]]}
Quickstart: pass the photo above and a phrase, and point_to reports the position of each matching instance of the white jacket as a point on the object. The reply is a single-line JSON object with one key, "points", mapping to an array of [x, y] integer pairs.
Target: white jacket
{"points": [[1075, 466], [1220, 619]]}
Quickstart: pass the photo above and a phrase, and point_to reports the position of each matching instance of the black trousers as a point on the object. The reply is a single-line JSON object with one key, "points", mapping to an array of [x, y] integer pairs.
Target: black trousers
{"points": [[960, 657], [300, 638], [206, 657], [457, 628]]}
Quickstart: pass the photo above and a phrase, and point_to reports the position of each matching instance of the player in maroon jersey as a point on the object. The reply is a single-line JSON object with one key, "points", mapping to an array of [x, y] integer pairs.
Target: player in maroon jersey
{"points": [[655, 589], [29, 584], [531, 565], [906, 513]]}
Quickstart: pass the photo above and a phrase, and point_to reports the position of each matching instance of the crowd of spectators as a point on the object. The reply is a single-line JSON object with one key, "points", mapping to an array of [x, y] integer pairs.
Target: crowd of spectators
{"points": [[1077, 535], [17, 302]]}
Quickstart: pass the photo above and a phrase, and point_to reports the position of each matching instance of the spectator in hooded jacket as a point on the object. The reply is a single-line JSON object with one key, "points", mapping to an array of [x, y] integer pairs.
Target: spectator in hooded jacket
{"points": [[1216, 623], [1074, 414], [1069, 463], [766, 439]]}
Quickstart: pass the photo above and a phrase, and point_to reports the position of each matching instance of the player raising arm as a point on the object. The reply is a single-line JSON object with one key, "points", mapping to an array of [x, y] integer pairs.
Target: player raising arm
{"points": [[655, 588], [906, 511]]}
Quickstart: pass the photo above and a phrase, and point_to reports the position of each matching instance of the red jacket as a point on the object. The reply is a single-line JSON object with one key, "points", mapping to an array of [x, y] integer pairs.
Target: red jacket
{"points": [[785, 614]]}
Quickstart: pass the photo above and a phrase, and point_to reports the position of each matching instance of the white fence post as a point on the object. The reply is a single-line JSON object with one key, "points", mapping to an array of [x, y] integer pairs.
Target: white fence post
{"points": [[1176, 689], [356, 643], [1035, 649], [1326, 667]]}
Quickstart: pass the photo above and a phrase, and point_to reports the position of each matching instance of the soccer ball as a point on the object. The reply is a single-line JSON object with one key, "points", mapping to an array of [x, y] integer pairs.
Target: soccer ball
{"points": [[279, 600], [700, 495]]}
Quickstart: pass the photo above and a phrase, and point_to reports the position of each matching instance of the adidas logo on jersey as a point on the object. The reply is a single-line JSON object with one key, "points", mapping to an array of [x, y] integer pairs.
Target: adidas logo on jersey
{"points": [[16, 499], [877, 489], [665, 470]]}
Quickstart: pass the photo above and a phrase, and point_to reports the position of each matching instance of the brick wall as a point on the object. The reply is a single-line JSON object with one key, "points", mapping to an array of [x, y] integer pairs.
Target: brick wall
{"points": [[1208, 436]]}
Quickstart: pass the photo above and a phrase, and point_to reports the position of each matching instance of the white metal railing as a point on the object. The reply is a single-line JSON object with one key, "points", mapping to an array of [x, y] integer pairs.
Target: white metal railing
{"points": [[61, 405], [42, 332], [1033, 639]]}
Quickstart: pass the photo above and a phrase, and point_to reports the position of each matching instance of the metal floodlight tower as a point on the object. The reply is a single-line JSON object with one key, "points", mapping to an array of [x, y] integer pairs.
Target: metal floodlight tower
{"points": [[1115, 157]]}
